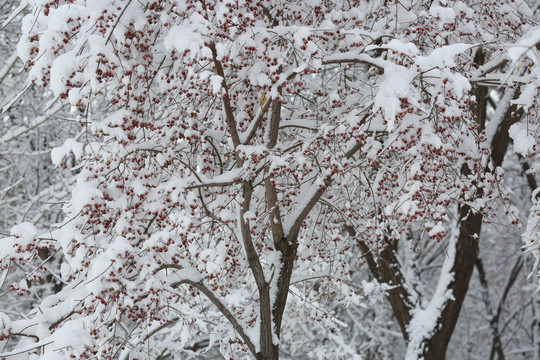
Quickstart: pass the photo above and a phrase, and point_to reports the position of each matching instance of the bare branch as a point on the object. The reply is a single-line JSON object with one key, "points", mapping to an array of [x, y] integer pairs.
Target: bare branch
{"points": [[231, 122], [386, 270], [223, 309], [4, 72], [352, 58], [496, 344]]}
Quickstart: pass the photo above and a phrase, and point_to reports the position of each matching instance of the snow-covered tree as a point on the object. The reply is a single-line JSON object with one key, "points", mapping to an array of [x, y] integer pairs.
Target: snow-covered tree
{"points": [[239, 161], [31, 190]]}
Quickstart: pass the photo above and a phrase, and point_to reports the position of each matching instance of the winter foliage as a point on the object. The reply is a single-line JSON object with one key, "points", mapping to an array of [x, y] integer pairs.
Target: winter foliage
{"points": [[243, 172]]}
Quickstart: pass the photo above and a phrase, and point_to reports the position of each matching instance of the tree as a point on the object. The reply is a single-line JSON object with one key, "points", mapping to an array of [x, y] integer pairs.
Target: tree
{"points": [[31, 190], [249, 150]]}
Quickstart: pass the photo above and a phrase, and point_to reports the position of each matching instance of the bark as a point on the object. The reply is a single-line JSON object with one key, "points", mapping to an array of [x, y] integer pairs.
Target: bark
{"points": [[269, 351]]}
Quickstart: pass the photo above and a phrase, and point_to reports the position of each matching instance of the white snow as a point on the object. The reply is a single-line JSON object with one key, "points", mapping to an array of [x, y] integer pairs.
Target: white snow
{"points": [[524, 46], [446, 14], [424, 320], [523, 142], [83, 192], [70, 146], [441, 57], [527, 96], [25, 231], [395, 85]]}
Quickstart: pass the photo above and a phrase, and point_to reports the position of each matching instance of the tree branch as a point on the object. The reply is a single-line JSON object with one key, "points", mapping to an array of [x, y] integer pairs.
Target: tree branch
{"points": [[351, 58], [231, 122], [386, 270], [266, 335], [223, 309], [496, 345]]}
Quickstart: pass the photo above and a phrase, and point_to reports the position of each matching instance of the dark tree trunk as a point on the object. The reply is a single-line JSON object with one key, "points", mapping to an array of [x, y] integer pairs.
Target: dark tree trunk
{"points": [[386, 270]]}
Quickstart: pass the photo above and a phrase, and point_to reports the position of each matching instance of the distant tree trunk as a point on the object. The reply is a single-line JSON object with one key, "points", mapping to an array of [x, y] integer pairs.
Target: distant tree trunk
{"points": [[469, 233], [470, 224], [493, 318], [536, 326]]}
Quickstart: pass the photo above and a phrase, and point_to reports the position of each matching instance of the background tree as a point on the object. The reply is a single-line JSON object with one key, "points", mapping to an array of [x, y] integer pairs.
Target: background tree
{"points": [[30, 189], [499, 114]]}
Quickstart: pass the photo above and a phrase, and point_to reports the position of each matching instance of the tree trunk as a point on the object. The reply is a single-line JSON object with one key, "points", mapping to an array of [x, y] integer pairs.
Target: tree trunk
{"points": [[470, 223]]}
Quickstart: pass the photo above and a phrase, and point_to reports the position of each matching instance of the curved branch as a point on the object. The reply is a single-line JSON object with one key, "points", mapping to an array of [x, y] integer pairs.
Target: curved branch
{"points": [[386, 270], [223, 309]]}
